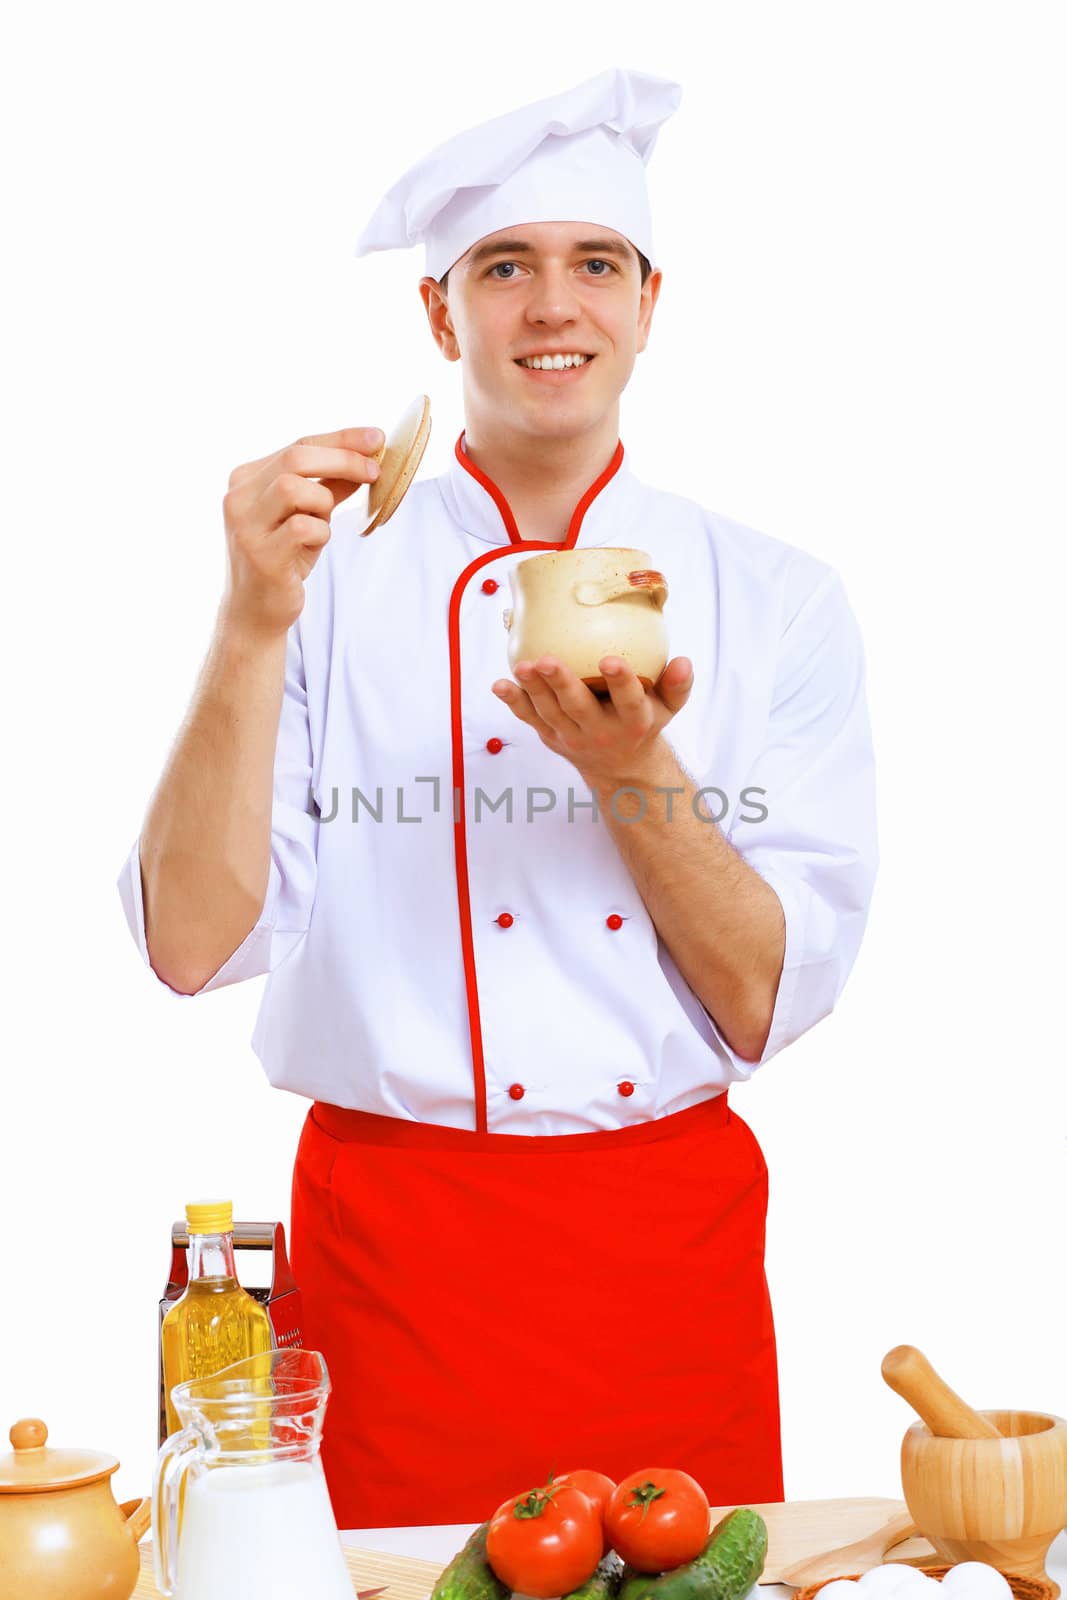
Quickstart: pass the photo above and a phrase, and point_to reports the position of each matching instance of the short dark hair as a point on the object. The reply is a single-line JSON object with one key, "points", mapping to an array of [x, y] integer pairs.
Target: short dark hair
{"points": [[646, 268]]}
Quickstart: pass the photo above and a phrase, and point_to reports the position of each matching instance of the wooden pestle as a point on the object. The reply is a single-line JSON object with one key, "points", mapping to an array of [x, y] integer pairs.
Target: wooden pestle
{"points": [[907, 1371]]}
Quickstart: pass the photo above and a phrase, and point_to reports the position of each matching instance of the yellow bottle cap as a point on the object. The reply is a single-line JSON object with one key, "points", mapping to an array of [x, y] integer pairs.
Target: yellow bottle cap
{"points": [[210, 1216]]}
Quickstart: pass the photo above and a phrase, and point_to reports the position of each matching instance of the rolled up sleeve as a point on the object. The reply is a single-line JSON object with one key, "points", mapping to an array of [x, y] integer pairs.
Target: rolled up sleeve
{"points": [[817, 846], [286, 913]]}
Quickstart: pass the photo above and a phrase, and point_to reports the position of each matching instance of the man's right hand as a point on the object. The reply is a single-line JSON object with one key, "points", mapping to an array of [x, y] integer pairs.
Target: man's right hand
{"points": [[277, 514]]}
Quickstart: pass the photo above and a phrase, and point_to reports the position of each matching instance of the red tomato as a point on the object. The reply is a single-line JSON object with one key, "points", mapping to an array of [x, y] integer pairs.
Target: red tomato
{"points": [[658, 1519], [545, 1542], [597, 1486]]}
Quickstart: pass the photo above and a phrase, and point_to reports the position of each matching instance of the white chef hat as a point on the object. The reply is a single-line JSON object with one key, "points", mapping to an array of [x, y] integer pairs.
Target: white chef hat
{"points": [[577, 156]]}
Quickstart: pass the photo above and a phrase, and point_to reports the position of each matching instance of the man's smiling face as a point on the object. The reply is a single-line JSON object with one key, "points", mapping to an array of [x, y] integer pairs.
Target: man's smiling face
{"points": [[544, 289]]}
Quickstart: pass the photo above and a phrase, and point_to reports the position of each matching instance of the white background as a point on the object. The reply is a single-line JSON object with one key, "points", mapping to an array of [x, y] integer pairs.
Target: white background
{"points": [[859, 348]]}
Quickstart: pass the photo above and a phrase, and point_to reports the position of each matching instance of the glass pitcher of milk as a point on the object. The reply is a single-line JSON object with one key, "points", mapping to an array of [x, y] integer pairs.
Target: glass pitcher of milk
{"points": [[240, 1506]]}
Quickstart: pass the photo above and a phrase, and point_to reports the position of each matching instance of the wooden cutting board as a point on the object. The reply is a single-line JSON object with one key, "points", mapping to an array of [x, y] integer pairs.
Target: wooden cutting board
{"points": [[795, 1529]]}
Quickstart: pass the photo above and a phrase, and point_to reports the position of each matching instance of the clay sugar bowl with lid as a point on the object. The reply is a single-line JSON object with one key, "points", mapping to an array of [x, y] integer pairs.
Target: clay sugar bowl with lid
{"points": [[62, 1534]]}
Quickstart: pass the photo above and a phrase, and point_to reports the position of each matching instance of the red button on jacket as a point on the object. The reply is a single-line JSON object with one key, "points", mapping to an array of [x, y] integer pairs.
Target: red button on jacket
{"points": [[626, 1088], [494, 746], [505, 919], [614, 921], [516, 1091], [489, 586]]}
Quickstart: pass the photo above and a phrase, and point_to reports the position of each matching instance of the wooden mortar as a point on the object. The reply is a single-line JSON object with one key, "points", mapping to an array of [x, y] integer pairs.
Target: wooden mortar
{"points": [[1001, 1498]]}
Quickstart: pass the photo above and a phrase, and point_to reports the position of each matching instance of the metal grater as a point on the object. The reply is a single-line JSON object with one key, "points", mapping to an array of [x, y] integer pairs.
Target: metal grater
{"points": [[282, 1298]]}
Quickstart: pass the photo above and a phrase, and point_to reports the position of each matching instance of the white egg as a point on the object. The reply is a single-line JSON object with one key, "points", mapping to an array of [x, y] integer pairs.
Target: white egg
{"points": [[837, 1589], [882, 1582], [910, 1579], [976, 1580]]}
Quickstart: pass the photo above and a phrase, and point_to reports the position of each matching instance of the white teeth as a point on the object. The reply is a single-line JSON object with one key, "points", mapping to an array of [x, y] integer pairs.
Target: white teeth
{"points": [[553, 363]]}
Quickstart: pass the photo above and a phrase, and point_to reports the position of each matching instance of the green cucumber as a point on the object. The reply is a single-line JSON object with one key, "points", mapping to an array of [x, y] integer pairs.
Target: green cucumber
{"points": [[604, 1583], [726, 1569], [469, 1576]]}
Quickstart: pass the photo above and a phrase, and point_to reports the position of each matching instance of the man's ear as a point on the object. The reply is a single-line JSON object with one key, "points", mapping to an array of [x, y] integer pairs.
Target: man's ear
{"points": [[435, 300], [649, 295]]}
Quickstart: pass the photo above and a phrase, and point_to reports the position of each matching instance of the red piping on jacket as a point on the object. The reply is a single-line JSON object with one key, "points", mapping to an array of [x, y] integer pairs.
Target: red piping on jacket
{"points": [[516, 541]]}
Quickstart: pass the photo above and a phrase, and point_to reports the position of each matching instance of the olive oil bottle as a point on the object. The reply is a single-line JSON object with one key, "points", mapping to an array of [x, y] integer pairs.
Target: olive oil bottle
{"points": [[215, 1322]]}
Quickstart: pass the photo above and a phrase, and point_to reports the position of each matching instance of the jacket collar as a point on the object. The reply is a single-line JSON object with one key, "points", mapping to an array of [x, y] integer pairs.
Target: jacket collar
{"points": [[603, 514]]}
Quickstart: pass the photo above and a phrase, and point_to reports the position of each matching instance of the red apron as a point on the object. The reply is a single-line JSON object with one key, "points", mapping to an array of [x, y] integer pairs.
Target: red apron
{"points": [[493, 1307]]}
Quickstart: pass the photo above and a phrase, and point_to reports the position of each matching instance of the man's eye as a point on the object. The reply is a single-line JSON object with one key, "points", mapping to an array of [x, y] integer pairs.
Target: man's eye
{"points": [[596, 261]]}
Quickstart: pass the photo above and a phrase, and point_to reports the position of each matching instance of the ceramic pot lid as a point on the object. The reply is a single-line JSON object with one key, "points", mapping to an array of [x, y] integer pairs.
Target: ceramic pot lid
{"points": [[399, 459], [33, 1465]]}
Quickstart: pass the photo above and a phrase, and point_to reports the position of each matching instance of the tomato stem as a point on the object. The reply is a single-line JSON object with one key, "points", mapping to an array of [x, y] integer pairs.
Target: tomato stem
{"points": [[537, 1501], [643, 1495]]}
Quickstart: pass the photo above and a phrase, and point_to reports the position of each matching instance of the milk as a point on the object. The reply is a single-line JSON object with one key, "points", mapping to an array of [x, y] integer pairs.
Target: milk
{"points": [[255, 1531]]}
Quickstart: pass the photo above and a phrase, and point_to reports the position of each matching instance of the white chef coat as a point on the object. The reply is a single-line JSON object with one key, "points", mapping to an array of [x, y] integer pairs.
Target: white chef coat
{"points": [[392, 986]]}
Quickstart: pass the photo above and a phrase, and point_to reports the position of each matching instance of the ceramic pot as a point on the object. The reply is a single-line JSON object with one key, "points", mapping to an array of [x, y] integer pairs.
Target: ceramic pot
{"points": [[581, 605], [62, 1535]]}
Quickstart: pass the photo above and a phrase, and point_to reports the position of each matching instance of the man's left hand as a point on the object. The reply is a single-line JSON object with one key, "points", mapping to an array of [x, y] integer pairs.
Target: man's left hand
{"points": [[610, 741]]}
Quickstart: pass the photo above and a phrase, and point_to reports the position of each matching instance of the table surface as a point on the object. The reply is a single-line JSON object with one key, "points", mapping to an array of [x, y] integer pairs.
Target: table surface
{"points": [[440, 1543]]}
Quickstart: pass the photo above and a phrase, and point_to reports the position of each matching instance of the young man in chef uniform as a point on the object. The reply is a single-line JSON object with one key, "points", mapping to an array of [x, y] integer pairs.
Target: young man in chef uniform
{"points": [[528, 1228]]}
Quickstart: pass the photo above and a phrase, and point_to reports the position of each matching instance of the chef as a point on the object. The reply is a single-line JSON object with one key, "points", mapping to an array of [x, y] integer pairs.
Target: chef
{"points": [[520, 939]]}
